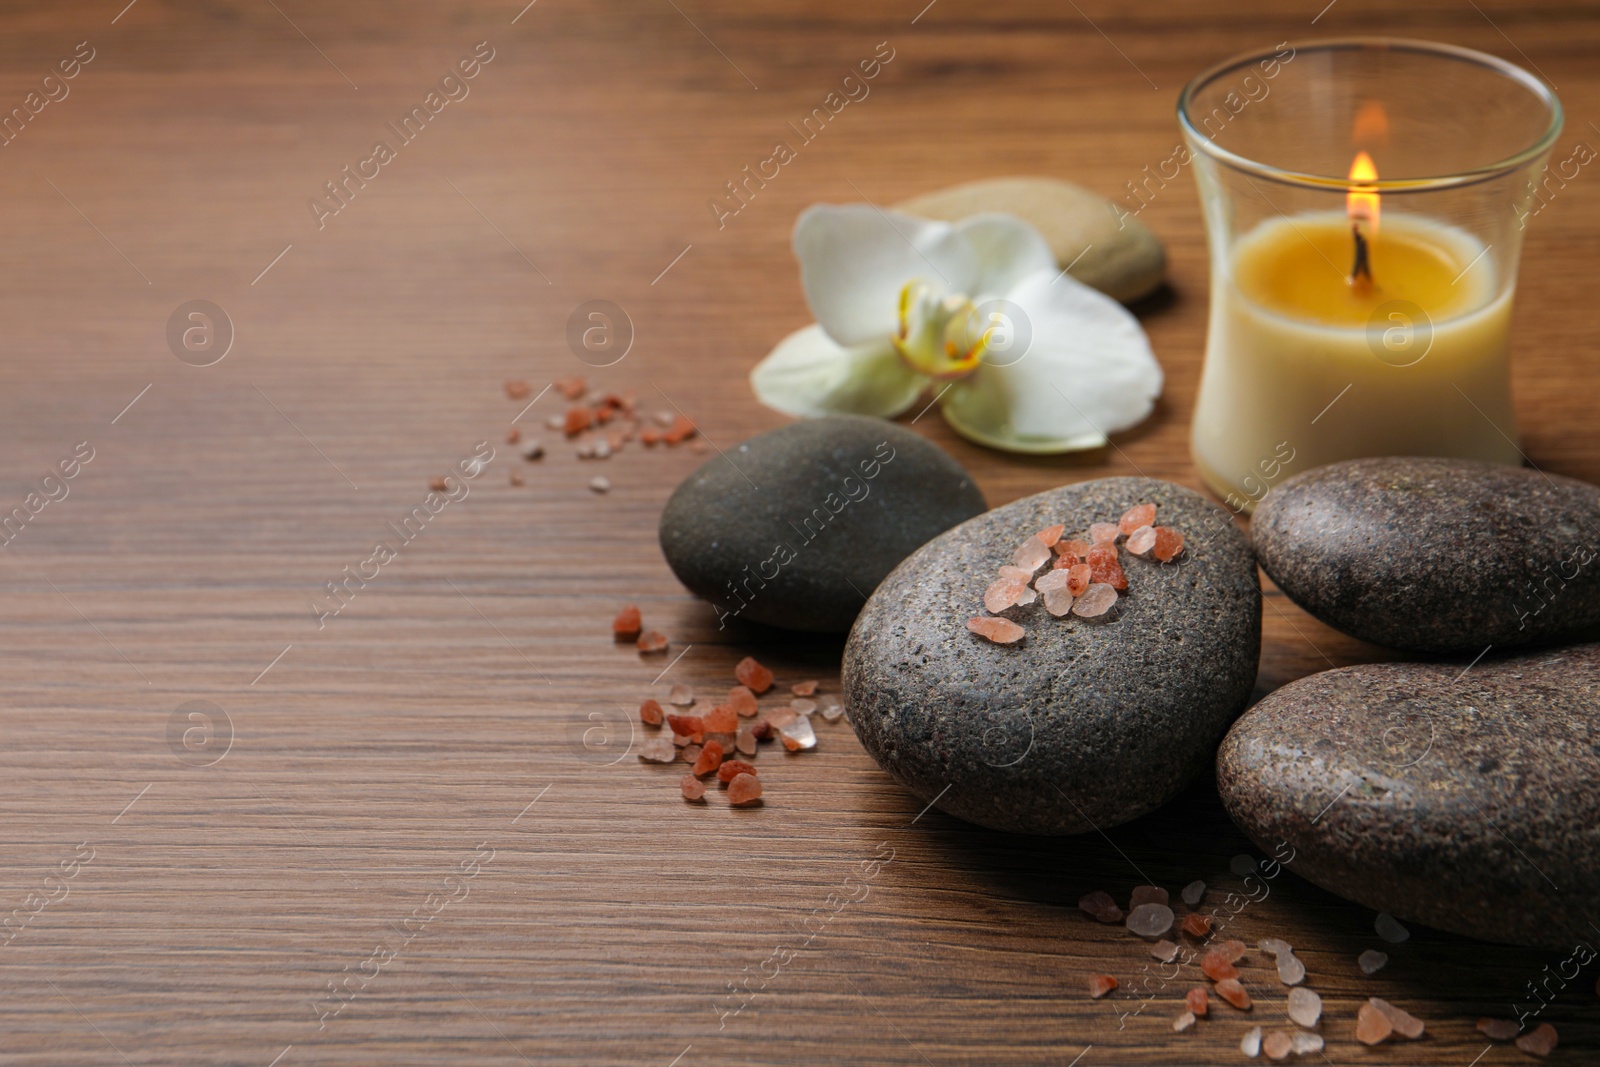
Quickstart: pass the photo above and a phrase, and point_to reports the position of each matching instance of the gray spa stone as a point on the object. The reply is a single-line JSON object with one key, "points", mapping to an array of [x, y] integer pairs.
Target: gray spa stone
{"points": [[1435, 555], [796, 527], [1085, 723], [1106, 247], [1468, 801]]}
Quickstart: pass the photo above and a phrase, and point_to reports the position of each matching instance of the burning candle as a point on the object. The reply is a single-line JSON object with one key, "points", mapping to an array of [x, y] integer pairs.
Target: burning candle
{"points": [[1364, 311]]}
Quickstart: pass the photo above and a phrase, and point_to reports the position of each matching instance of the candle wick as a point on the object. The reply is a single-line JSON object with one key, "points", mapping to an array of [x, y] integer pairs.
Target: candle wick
{"points": [[1361, 269]]}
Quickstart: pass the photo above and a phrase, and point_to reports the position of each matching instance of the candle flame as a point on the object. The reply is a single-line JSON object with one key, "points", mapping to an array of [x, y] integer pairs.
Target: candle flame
{"points": [[1362, 199]]}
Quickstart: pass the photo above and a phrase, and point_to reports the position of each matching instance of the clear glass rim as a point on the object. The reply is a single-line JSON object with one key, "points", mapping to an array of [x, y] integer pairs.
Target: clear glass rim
{"points": [[1511, 71]]}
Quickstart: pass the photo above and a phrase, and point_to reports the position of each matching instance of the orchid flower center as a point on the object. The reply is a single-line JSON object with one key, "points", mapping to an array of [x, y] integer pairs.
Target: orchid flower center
{"points": [[941, 336]]}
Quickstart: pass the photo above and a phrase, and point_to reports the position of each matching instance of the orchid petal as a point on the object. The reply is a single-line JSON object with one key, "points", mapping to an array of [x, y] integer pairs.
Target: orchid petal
{"points": [[1087, 371], [1007, 250], [808, 375], [855, 259]]}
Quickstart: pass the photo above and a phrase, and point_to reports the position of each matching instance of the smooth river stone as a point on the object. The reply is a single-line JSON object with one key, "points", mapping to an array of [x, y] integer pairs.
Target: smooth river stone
{"points": [[1435, 555], [1468, 802], [1105, 245], [795, 527], [1084, 723]]}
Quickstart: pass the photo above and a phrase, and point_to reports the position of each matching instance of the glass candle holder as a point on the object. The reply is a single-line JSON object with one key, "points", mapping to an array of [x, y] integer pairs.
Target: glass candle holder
{"points": [[1364, 203]]}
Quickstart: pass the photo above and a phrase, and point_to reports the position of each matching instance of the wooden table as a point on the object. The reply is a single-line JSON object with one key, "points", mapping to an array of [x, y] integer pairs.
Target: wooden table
{"points": [[422, 754]]}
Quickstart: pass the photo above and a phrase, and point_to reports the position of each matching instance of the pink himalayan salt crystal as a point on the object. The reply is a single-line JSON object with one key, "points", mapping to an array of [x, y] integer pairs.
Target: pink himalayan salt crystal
{"points": [[1164, 950], [805, 688], [1372, 1025], [1142, 541], [745, 742], [1150, 920], [1147, 894], [802, 707], [1498, 1029], [1305, 1007], [1003, 593], [1276, 1045], [1231, 990], [1169, 543], [777, 719], [1031, 555], [681, 695], [1541, 1042], [1405, 1024], [744, 789], [693, 788], [1057, 597], [1071, 552], [1183, 1022], [1250, 1044], [1016, 574], [651, 641], [658, 750], [1095, 601], [1000, 631], [1079, 578], [1050, 535], [1101, 984], [1103, 533], [1231, 950], [742, 699], [798, 735], [1135, 517], [1106, 567], [1026, 597], [690, 754], [1099, 906]]}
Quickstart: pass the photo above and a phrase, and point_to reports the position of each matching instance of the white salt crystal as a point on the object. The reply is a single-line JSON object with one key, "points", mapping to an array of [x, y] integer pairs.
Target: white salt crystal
{"points": [[1193, 892], [1305, 1006], [1150, 920], [1389, 928], [1372, 961], [1251, 1045]]}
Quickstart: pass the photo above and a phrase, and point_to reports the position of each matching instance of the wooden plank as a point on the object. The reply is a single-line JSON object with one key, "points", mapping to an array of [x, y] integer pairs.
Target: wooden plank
{"points": [[442, 714]]}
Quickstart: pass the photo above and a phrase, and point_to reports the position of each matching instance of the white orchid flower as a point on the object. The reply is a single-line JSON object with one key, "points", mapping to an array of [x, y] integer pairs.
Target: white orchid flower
{"points": [[1035, 360]]}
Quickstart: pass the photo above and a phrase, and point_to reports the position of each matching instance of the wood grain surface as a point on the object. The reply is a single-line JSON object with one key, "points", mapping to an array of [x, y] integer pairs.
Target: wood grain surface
{"points": [[164, 912]]}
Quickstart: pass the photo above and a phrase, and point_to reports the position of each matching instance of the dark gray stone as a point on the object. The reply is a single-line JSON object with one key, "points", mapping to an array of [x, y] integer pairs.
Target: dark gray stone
{"points": [[796, 527], [1468, 802], [1435, 555], [1084, 723]]}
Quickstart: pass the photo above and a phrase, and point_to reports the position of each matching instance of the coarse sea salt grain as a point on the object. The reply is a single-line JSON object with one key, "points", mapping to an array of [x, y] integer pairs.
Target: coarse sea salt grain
{"points": [[1305, 1006], [832, 708], [1274, 946], [1302, 1043], [1389, 928], [1147, 894], [1165, 951], [1183, 1022], [1291, 971], [1372, 961], [1150, 920], [798, 735], [1193, 892], [681, 695], [1250, 1044], [1276, 1045]]}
